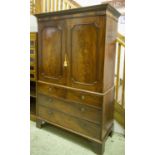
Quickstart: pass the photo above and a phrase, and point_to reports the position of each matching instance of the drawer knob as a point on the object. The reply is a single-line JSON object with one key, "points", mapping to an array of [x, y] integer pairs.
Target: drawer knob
{"points": [[82, 109], [49, 89], [50, 100], [50, 112], [82, 97]]}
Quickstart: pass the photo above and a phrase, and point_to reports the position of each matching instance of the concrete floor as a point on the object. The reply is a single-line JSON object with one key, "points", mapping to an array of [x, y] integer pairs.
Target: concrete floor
{"points": [[51, 140]]}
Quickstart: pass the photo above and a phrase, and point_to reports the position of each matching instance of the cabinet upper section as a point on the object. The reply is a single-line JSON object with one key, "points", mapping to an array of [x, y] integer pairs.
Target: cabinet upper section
{"points": [[103, 9], [76, 48]]}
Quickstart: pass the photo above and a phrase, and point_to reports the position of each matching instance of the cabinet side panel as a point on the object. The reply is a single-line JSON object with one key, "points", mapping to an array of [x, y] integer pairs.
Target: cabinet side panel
{"points": [[108, 111], [110, 52], [108, 76]]}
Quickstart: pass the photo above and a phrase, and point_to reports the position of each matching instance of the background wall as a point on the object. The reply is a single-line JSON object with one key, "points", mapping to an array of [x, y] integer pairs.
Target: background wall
{"points": [[33, 24]]}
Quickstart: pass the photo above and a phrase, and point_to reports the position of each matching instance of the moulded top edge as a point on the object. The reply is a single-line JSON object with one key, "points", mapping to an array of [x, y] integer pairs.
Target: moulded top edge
{"points": [[102, 7]]}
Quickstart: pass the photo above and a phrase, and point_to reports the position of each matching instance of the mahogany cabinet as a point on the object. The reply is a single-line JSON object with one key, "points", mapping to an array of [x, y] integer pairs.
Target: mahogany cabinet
{"points": [[75, 77]]}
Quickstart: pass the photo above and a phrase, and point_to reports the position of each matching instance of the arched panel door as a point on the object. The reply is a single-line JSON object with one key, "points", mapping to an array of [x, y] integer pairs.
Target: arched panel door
{"points": [[86, 53], [51, 51]]}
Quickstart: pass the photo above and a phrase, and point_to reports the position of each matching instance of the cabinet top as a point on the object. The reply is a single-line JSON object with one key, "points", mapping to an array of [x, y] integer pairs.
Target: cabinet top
{"points": [[96, 8]]}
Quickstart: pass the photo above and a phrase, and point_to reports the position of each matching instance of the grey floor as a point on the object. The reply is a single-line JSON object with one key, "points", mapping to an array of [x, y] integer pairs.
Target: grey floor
{"points": [[51, 140]]}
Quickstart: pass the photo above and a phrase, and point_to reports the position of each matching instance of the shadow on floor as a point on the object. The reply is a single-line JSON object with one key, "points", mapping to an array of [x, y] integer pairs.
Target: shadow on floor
{"points": [[67, 135]]}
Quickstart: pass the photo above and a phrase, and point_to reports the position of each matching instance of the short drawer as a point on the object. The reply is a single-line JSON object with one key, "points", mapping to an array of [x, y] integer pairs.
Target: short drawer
{"points": [[75, 109], [69, 122], [85, 98], [51, 90]]}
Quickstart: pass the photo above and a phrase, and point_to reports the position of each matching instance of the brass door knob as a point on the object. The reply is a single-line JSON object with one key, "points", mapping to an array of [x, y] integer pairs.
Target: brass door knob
{"points": [[65, 61]]}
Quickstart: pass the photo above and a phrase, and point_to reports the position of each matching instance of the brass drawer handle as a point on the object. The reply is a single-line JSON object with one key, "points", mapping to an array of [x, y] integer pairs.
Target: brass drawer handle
{"points": [[82, 97], [82, 109]]}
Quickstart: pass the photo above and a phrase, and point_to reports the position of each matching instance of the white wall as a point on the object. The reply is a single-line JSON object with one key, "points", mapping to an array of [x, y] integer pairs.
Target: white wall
{"points": [[118, 128], [33, 24], [121, 25], [88, 2]]}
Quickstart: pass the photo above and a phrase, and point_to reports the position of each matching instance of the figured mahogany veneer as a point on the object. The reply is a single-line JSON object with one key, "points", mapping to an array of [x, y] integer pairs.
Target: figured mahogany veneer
{"points": [[67, 121], [75, 71], [75, 109], [72, 95]]}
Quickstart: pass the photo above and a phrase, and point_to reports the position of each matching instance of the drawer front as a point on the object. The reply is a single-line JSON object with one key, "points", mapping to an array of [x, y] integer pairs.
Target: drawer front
{"points": [[51, 90], [75, 109], [72, 123], [71, 95], [85, 98]]}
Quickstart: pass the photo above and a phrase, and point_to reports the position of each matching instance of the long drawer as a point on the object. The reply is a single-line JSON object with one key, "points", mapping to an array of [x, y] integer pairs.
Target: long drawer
{"points": [[69, 122], [76, 109], [72, 95]]}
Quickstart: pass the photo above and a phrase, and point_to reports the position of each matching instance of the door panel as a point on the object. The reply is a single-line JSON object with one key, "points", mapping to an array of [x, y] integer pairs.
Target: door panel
{"points": [[86, 53], [52, 52], [84, 67], [52, 56]]}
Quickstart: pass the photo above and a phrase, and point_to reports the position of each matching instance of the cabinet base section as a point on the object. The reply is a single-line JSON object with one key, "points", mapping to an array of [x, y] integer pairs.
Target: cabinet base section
{"points": [[39, 123], [32, 109], [97, 146], [33, 117]]}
